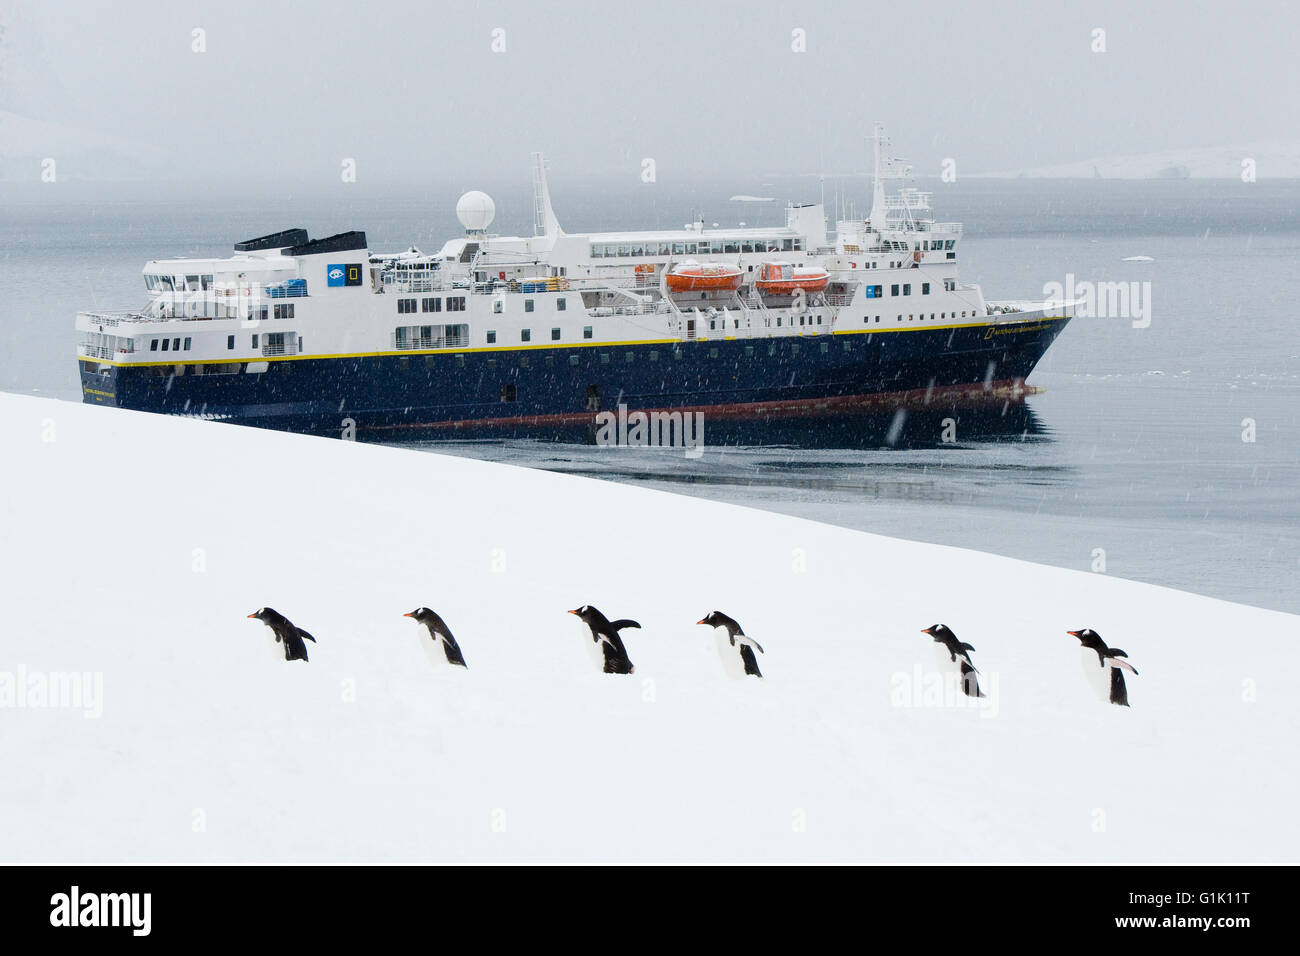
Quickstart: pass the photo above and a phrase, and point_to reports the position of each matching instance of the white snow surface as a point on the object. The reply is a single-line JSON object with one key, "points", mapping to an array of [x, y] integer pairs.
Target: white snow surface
{"points": [[134, 546]]}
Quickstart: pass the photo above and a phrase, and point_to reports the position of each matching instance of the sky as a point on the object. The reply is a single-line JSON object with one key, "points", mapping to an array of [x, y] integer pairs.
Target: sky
{"points": [[415, 92]]}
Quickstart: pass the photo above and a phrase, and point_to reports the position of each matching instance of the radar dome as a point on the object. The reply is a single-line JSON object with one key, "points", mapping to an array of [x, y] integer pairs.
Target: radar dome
{"points": [[475, 210]]}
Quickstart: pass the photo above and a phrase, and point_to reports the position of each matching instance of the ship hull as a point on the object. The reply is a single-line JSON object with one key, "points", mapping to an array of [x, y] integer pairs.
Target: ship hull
{"points": [[541, 390]]}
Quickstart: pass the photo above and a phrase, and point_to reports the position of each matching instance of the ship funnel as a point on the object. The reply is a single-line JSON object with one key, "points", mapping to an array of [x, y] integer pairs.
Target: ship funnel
{"points": [[544, 221]]}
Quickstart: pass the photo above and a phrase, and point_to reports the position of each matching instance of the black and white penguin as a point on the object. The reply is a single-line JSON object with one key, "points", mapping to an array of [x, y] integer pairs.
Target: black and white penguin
{"points": [[1097, 660], [735, 637], [957, 653], [604, 633], [285, 632], [441, 635]]}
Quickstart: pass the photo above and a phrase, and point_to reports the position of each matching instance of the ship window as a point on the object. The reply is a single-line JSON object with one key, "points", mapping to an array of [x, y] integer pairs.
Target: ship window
{"points": [[573, 360], [555, 335], [925, 288], [525, 335], [604, 358], [254, 341], [456, 303], [431, 305], [460, 361], [733, 246], [630, 357], [713, 353], [826, 347], [492, 365], [187, 344], [794, 349], [691, 247], [523, 361], [405, 306], [497, 307], [230, 341], [848, 346], [678, 355], [284, 311], [167, 342], [528, 305], [747, 246], [550, 361], [654, 355], [893, 290], [679, 248], [586, 331], [749, 351], [491, 338], [561, 305], [509, 392], [907, 288]]}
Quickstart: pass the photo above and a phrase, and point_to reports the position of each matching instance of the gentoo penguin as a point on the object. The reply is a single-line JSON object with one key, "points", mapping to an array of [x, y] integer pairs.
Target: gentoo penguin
{"points": [[735, 635], [1107, 659], [604, 632], [957, 652], [285, 632], [440, 633]]}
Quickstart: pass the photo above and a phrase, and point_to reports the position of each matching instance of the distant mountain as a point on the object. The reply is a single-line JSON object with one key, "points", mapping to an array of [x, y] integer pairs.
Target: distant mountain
{"points": [[1274, 160]]}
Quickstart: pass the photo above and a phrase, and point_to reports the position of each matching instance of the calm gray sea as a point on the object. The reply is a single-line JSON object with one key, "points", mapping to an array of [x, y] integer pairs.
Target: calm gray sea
{"points": [[1136, 446]]}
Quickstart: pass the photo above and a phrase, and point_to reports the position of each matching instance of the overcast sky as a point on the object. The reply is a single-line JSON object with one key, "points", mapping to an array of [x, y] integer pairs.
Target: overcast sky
{"points": [[414, 92]]}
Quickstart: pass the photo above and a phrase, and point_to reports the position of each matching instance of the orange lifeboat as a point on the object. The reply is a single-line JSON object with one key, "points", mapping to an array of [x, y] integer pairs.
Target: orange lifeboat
{"points": [[703, 277], [784, 278]]}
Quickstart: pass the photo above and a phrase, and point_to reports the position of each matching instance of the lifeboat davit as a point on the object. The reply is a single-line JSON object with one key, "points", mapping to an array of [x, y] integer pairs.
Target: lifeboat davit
{"points": [[784, 278], [703, 277]]}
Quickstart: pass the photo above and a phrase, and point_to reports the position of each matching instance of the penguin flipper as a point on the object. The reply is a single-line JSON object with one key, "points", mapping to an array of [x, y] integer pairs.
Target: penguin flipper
{"points": [[452, 650], [1118, 689], [619, 625], [756, 644], [302, 633], [751, 662], [967, 647]]}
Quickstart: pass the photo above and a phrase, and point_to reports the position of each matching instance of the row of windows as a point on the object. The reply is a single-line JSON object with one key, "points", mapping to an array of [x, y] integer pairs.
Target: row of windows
{"points": [[911, 316], [169, 345], [455, 303], [526, 335], [700, 247]]}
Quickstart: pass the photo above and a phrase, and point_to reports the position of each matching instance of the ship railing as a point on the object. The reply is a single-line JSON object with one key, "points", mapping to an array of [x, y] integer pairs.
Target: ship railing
{"points": [[838, 301], [399, 283], [100, 352], [285, 348], [422, 343], [113, 319]]}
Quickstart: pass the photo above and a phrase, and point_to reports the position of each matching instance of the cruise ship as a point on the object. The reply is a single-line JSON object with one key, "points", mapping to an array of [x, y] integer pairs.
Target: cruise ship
{"points": [[525, 335]]}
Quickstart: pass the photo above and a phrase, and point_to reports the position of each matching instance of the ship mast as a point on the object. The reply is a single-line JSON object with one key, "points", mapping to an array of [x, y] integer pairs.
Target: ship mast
{"points": [[878, 216]]}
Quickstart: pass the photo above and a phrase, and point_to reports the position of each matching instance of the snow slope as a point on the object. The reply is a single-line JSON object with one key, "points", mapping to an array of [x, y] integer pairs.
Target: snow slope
{"points": [[209, 749]]}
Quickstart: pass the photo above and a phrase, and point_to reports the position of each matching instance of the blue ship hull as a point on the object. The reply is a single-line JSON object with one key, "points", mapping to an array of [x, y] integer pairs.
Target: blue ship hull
{"points": [[543, 391]]}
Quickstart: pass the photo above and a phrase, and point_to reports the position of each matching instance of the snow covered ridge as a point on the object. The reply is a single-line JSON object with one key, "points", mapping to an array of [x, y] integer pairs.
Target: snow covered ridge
{"points": [[209, 749]]}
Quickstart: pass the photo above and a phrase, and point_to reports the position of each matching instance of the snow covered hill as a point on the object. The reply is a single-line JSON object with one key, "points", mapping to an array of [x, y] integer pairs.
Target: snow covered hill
{"points": [[134, 546]]}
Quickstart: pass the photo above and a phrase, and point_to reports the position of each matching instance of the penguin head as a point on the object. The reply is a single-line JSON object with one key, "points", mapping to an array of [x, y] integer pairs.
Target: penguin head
{"points": [[937, 630], [589, 614], [420, 613], [710, 619], [262, 613], [1085, 635]]}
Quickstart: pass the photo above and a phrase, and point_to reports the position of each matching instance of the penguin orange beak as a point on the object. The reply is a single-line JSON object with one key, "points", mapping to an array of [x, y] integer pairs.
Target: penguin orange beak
{"points": [[1073, 633], [252, 615], [699, 622], [409, 614], [927, 630], [573, 612]]}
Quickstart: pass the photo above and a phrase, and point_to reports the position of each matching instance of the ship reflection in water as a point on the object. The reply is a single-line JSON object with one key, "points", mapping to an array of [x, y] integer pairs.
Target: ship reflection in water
{"points": [[921, 454]]}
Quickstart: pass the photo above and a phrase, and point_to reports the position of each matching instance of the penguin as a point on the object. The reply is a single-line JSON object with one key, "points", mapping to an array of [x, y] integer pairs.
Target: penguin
{"points": [[285, 632], [1108, 658], [440, 633], [605, 633], [957, 652], [736, 635]]}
